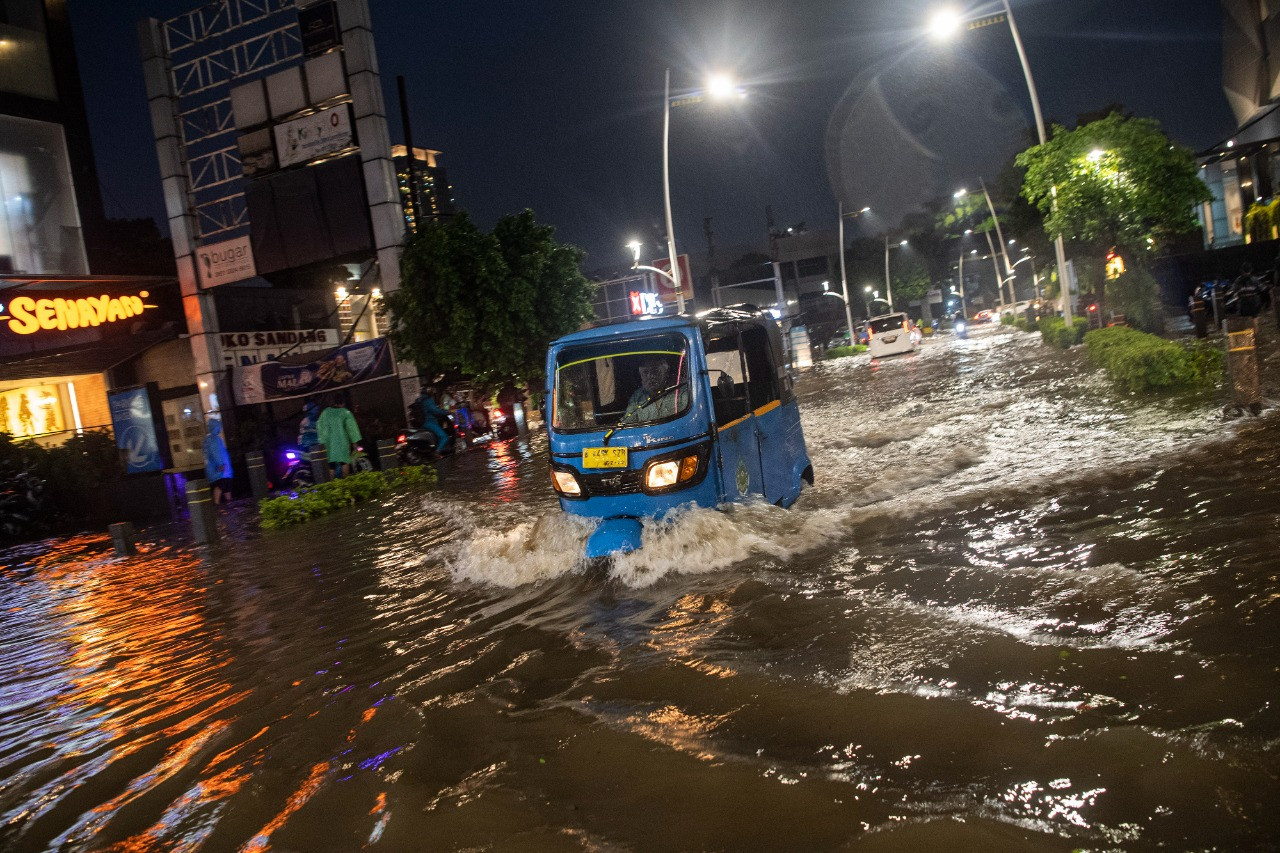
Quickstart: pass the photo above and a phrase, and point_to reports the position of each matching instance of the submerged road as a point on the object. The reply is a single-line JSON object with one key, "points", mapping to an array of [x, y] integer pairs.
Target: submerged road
{"points": [[1019, 611]]}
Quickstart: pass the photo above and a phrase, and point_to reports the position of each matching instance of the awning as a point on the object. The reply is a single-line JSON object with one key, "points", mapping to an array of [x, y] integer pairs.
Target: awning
{"points": [[95, 357]]}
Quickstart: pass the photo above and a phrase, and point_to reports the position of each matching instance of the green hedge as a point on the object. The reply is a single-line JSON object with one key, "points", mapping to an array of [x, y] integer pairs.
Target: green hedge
{"points": [[315, 501], [1148, 363], [1054, 331], [841, 352]]}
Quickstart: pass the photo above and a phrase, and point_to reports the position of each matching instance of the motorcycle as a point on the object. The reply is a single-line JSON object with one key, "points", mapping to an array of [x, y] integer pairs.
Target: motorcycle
{"points": [[504, 425], [417, 446], [295, 472]]}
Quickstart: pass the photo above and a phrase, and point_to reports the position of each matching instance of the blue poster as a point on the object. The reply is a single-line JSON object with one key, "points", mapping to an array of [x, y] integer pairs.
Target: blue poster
{"points": [[135, 430]]}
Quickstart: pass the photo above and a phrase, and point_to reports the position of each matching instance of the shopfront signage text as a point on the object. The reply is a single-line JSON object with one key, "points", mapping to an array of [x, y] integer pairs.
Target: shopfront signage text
{"points": [[230, 260], [645, 303], [27, 316]]}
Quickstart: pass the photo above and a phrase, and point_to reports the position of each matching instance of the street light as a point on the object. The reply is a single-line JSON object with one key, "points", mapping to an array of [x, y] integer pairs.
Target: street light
{"points": [[888, 288], [991, 208], [844, 280], [719, 86], [946, 23]]}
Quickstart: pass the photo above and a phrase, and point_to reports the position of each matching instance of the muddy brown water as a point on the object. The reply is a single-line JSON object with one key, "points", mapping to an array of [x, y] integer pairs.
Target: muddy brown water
{"points": [[1020, 611]]}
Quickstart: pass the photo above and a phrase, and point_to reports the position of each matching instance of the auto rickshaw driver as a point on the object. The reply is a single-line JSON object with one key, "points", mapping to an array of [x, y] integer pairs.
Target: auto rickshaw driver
{"points": [[657, 397]]}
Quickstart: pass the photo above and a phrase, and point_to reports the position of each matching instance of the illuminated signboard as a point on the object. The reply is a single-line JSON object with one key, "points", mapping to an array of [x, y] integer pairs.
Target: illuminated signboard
{"points": [[27, 316], [1115, 265], [645, 303]]}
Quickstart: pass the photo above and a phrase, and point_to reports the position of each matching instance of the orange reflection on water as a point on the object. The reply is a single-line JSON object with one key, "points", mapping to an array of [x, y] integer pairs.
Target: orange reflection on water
{"points": [[503, 465], [144, 668], [261, 841], [692, 619]]}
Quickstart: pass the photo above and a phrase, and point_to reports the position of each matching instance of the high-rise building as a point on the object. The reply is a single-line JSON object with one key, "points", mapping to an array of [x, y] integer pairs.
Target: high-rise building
{"points": [[48, 184], [434, 194]]}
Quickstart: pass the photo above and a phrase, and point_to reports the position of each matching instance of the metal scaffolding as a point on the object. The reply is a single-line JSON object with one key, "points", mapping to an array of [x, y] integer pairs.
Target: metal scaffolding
{"points": [[211, 49]]}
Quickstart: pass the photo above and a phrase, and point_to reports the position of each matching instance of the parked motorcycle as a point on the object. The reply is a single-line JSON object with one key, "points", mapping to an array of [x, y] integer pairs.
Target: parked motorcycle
{"points": [[21, 504]]}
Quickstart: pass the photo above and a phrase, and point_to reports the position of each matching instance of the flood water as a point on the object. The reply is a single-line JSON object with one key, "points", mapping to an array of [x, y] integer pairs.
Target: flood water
{"points": [[1019, 611]]}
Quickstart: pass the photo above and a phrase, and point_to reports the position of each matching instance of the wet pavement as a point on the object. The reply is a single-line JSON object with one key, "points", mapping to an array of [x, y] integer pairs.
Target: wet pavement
{"points": [[1019, 611]]}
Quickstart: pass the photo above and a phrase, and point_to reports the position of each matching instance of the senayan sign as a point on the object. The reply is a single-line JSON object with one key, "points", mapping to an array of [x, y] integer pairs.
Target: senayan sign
{"points": [[26, 315]]}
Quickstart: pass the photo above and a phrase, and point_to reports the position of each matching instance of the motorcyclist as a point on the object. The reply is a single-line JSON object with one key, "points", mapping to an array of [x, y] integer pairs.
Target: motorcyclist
{"points": [[427, 413], [1246, 296]]}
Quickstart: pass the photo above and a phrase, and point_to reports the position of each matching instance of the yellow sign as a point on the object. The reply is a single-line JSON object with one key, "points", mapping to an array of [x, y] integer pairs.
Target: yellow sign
{"points": [[1115, 265], [604, 457], [27, 316]]}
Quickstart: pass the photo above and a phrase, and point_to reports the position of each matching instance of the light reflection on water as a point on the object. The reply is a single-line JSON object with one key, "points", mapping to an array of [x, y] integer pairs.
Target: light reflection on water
{"points": [[1015, 612]]}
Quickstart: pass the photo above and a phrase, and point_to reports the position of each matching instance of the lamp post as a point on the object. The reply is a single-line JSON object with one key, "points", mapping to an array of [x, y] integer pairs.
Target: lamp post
{"points": [[844, 279], [719, 86], [888, 287], [946, 23]]}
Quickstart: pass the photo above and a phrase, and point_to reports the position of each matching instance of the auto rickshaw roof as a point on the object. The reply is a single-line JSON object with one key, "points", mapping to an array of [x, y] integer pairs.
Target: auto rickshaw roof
{"points": [[706, 319], [626, 329]]}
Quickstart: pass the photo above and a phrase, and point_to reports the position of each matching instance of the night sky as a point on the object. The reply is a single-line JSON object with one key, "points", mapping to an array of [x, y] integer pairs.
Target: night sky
{"points": [[557, 106]]}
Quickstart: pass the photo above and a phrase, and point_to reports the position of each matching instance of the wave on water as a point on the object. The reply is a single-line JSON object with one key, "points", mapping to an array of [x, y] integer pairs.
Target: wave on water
{"points": [[509, 553]]}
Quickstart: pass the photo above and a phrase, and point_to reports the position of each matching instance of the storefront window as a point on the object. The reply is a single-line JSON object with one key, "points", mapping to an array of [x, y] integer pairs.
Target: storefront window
{"points": [[39, 222], [31, 411]]}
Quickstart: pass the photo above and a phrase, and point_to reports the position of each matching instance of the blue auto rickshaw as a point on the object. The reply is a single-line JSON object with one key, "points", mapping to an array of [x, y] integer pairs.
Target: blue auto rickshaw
{"points": [[648, 415]]}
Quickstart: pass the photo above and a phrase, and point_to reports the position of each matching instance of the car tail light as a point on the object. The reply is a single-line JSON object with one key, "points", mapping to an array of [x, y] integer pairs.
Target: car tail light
{"points": [[400, 438]]}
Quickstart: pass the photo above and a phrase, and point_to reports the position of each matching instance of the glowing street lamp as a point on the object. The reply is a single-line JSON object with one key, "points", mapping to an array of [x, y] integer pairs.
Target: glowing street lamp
{"points": [[946, 23], [719, 87]]}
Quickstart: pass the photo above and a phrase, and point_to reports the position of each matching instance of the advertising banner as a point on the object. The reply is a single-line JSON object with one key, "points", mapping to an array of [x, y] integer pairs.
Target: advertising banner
{"points": [[230, 260], [134, 424], [304, 139], [341, 368]]}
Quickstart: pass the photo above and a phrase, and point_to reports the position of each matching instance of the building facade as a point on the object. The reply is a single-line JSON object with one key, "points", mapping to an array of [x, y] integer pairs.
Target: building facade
{"points": [[78, 351], [283, 205]]}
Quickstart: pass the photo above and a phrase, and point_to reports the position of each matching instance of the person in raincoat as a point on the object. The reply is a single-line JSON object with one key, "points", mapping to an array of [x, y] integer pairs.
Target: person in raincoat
{"points": [[217, 462], [307, 437], [336, 428]]}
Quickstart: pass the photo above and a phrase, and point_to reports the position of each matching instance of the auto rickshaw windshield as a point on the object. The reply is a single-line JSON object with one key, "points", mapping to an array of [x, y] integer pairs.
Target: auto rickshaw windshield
{"points": [[621, 383]]}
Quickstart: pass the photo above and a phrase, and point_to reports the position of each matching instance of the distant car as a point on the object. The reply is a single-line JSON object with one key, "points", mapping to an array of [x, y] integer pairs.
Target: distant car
{"points": [[987, 316], [841, 338], [891, 334]]}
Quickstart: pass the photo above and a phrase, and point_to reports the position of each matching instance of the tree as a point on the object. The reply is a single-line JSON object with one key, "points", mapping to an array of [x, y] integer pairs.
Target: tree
{"points": [[1114, 183], [486, 304]]}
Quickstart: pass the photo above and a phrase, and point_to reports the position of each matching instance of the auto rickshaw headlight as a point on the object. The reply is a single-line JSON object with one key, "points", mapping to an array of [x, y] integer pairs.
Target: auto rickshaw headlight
{"points": [[662, 474], [671, 471], [565, 483]]}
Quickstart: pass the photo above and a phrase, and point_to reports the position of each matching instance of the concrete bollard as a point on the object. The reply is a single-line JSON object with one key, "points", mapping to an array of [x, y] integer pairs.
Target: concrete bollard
{"points": [[204, 519], [387, 460], [123, 538], [318, 457], [1242, 364], [257, 474]]}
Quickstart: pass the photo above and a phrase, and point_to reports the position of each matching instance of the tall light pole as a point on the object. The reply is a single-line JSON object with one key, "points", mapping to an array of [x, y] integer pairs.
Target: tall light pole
{"points": [[666, 194], [946, 23], [844, 279], [888, 286], [718, 87]]}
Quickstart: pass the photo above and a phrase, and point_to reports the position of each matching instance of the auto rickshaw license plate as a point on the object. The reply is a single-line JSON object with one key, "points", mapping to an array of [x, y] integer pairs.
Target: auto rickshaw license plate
{"points": [[604, 457]]}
